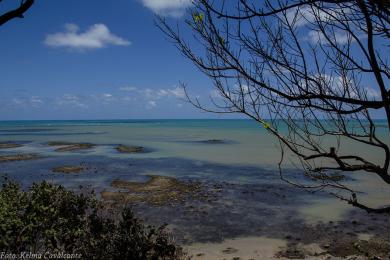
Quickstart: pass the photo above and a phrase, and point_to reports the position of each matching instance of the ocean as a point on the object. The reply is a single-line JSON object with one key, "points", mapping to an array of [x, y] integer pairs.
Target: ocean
{"points": [[240, 155]]}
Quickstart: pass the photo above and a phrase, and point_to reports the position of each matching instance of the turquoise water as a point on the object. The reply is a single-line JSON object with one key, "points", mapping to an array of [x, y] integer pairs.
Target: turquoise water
{"points": [[248, 155], [247, 142]]}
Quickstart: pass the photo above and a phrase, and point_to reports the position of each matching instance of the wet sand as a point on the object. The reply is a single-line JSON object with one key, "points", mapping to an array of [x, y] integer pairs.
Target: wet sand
{"points": [[242, 248]]}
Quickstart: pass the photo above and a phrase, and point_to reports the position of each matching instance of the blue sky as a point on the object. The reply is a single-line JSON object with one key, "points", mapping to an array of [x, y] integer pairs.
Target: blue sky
{"points": [[72, 59], [94, 60]]}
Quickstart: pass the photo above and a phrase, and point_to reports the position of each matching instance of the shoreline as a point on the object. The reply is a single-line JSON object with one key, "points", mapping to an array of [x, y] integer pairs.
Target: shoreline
{"points": [[242, 212]]}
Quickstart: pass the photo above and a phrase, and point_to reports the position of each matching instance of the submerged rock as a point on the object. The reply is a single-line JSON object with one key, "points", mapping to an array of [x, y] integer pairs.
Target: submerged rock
{"points": [[70, 147], [130, 149], [18, 157], [158, 190], [213, 141], [5, 145], [59, 143], [69, 169]]}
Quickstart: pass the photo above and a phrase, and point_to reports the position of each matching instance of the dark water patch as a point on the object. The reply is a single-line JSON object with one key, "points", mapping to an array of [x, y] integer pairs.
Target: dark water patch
{"points": [[11, 144], [16, 142], [103, 170], [264, 214], [239, 210], [27, 130], [230, 209], [107, 169], [244, 200], [208, 141], [53, 134]]}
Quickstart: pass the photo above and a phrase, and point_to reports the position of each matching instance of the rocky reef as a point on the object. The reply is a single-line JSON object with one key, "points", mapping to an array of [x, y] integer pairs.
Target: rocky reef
{"points": [[70, 147], [130, 149], [18, 157], [69, 169], [6, 145], [158, 190]]}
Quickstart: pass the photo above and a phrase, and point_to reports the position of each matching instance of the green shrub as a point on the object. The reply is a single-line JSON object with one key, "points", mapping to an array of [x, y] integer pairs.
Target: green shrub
{"points": [[49, 218]]}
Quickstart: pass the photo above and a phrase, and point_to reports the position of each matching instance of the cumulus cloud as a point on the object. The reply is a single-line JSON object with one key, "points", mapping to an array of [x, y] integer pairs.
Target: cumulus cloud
{"points": [[151, 97], [33, 101], [174, 8], [95, 37], [70, 100], [151, 93], [177, 92], [304, 16]]}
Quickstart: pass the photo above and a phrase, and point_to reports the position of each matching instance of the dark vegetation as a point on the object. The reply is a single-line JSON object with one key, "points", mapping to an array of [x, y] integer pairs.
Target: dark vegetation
{"points": [[49, 218]]}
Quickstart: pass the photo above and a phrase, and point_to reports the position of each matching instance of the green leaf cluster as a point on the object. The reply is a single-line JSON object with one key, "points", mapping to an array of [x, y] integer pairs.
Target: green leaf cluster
{"points": [[50, 218]]}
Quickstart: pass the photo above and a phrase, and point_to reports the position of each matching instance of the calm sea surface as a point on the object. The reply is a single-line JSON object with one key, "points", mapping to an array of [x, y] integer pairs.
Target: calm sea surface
{"points": [[246, 157]]}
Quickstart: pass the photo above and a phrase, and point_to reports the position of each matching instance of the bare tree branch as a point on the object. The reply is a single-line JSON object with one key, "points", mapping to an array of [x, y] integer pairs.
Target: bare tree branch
{"points": [[16, 13], [300, 69]]}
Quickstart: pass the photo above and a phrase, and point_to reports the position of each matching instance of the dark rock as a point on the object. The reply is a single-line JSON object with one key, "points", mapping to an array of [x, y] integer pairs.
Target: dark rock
{"points": [[130, 149]]}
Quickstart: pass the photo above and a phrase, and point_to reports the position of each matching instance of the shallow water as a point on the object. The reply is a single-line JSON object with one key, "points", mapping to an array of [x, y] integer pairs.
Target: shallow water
{"points": [[244, 163]]}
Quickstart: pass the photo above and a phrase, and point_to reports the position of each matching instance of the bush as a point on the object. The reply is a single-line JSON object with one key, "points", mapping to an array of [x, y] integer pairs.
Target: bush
{"points": [[50, 219]]}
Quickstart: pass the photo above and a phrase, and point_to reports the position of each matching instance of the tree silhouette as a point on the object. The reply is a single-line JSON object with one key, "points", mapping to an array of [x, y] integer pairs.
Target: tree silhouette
{"points": [[311, 72], [17, 12]]}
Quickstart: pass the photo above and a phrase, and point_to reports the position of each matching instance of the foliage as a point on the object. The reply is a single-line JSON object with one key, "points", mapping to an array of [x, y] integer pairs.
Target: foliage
{"points": [[49, 218]]}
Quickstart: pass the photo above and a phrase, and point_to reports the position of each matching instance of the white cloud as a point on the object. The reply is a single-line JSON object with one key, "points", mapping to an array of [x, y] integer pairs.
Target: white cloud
{"points": [[299, 17], [95, 37], [70, 100], [177, 92], [344, 86], [129, 89], [18, 101], [173, 8], [372, 93], [150, 96], [215, 93], [153, 94], [106, 95], [338, 37], [33, 101], [306, 15], [104, 98], [151, 104], [148, 93]]}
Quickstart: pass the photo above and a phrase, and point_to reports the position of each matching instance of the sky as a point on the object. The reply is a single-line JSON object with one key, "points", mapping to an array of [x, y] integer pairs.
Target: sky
{"points": [[71, 59]]}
